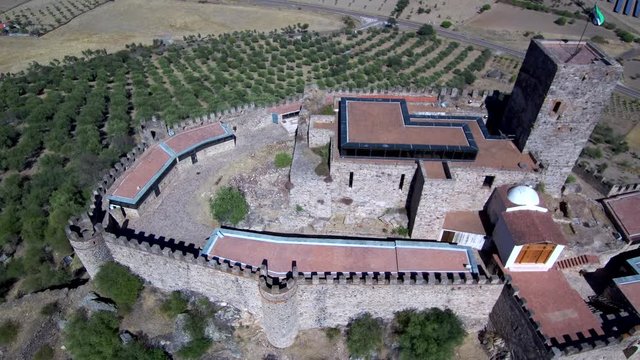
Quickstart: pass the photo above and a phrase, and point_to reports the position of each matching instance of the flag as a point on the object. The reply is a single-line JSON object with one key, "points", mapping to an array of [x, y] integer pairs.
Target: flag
{"points": [[597, 17]]}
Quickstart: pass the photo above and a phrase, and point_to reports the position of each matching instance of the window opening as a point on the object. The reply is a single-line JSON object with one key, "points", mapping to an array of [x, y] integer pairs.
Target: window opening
{"points": [[351, 179], [488, 181], [401, 182]]}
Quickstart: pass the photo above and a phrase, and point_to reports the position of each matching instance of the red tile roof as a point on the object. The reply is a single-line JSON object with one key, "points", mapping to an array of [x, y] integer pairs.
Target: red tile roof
{"points": [[556, 306], [625, 210], [530, 227], [321, 255], [631, 291], [464, 221], [141, 173], [193, 137]]}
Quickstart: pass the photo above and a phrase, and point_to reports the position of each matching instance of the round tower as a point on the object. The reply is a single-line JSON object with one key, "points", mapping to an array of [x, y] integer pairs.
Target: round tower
{"points": [[88, 243], [280, 311]]}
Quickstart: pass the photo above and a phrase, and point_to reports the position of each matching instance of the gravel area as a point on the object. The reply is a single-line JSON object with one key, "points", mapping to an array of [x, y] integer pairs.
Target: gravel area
{"points": [[183, 212]]}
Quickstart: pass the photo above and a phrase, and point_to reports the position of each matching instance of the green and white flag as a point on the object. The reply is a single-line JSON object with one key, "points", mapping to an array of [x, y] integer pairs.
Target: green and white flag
{"points": [[597, 17]]}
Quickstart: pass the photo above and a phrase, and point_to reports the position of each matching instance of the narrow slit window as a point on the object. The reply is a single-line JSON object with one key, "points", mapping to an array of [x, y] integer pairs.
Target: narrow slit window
{"points": [[401, 182], [156, 191], [194, 158], [488, 181], [556, 107], [351, 179]]}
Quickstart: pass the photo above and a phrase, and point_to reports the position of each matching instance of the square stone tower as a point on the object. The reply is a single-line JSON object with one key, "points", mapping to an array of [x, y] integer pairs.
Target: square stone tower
{"points": [[557, 100]]}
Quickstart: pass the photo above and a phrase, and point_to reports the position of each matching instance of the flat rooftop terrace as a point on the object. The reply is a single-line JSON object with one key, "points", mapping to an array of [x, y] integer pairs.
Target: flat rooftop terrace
{"points": [[556, 305], [574, 52], [383, 128], [337, 255], [133, 186], [625, 212]]}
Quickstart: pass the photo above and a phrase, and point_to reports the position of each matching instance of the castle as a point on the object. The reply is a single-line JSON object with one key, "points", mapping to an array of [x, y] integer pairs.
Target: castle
{"points": [[385, 152]]}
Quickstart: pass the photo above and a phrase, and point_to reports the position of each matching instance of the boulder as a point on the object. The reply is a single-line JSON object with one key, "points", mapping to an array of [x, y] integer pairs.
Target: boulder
{"points": [[93, 303]]}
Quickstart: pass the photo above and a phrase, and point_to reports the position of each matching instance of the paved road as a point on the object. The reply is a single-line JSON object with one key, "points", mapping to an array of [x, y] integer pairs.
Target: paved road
{"points": [[621, 88]]}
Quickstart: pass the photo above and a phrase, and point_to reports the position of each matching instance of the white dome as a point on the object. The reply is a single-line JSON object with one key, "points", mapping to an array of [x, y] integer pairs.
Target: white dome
{"points": [[523, 195]]}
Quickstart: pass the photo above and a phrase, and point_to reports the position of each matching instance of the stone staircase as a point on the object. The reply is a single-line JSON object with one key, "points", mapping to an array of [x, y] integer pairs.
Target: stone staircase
{"points": [[577, 261]]}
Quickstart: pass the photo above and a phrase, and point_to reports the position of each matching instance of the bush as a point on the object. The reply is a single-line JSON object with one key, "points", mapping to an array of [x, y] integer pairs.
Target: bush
{"points": [[401, 230], [96, 338], [116, 282], [196, 325], [364, 336], [45, 352], [625, 35], [49, 309], [446, 24], [92, 338], [485, 7], [332, 333], [592, 152], [9, 330], [426, 30], [229, 206], [195, 348], [599, 39], [429, 334], [561, 21], [176, 304], [570, 179], [283, 160]]}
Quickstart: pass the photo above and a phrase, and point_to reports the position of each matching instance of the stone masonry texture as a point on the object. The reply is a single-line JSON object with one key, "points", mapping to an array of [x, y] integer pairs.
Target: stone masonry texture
{"points": [[555, 106]]}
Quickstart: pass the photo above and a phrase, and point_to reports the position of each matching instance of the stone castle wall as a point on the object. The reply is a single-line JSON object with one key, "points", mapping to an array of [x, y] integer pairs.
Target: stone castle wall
{"points": [[374, 189], [306, 301], [463, 192]]}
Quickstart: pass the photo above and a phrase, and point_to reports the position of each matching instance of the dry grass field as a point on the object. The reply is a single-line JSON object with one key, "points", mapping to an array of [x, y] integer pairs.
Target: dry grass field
{"points": [[9, 4], [433, 11], [115, 24]]}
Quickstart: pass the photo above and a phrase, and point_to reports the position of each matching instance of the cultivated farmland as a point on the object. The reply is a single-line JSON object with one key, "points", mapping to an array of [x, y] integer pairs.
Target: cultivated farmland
{"points": [[37, 17]]}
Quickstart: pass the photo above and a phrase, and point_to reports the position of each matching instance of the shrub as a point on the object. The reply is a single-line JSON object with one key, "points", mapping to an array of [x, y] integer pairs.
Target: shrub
{"points": [[446, 24], [561, 21], [625, 35], [428, 334], [96, 338], [49, 309], [485, 7], [332, 333], [426, 30], [599, 39], [570, 179], [592, 152], [401, 230], [92, 338], [283, 160], [45, 352], [176, 304], [299, 208], [116, 282], [364, 336], [9, 330], [229, 206], [195, 348], [196, 325]]}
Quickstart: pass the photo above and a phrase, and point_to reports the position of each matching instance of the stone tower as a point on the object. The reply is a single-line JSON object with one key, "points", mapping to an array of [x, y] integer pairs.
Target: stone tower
{"points": [[280, 311], [88, 243], [557, 99]]}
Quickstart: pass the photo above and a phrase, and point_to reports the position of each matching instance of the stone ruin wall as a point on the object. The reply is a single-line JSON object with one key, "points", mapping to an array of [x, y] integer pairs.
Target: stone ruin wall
{"points": [[463, 192], [375, 187]]}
